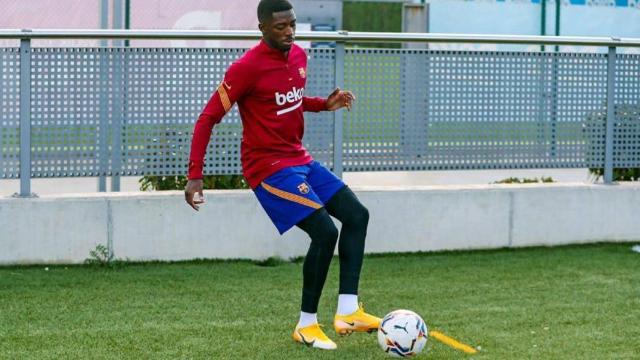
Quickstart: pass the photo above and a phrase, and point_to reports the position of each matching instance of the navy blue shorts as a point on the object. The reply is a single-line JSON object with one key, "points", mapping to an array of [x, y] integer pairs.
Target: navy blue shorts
{"points": [[293, 193]]}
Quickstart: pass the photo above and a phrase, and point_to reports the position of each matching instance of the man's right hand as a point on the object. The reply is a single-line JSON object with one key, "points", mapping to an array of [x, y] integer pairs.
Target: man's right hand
{"points": [[194, 187]]}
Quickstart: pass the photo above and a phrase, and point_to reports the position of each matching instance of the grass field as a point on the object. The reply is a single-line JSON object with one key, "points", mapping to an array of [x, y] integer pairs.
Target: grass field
{"points": [[577, 302]]}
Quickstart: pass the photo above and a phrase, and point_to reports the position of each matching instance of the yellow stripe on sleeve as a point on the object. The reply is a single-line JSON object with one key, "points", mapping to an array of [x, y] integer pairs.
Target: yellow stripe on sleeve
{"points": [[224, 97]]}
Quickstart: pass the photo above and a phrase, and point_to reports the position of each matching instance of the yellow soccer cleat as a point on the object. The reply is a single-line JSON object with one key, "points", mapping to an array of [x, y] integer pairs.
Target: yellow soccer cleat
{"points": [[358, 321], [313, 336]]}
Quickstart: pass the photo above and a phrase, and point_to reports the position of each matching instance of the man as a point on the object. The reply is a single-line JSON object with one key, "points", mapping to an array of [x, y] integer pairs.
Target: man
{"points": [[268, 84]]}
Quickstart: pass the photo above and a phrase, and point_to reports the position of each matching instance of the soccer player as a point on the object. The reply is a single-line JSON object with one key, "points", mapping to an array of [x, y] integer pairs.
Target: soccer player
{"points": [[268, 83]]}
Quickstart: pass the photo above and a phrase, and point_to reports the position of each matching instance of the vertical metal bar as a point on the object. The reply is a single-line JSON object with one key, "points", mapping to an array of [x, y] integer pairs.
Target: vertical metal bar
{"points": [[116, 130], [543, 20], [542, 106], [338, 115], [557, 21], [104, 19], [2, 85], [554, 107], [406, 123], [103, 129], [103, 133], [118, 8], [125, 73], [25, 117], [610, 121], [118, 18], [127, 18], [427, 105]]}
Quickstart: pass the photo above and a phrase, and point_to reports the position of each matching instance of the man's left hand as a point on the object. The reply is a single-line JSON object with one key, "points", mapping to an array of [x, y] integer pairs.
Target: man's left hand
{"points": [[339, 99]]}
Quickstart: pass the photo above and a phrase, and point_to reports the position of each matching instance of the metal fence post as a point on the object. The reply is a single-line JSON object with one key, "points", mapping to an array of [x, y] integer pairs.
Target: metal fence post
{"points": [[554, 107], [103, 123], [25, 118], [2, 85], [118, 18], [611, 116], [338, 115], [104, 24], [117, 117]]}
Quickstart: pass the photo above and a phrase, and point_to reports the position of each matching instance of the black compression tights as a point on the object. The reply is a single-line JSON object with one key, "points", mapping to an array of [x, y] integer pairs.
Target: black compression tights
{"points": [[345, 207]]}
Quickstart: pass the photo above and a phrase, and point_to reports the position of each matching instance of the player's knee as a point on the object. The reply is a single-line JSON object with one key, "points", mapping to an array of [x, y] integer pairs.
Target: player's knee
{"points": [[328, 234], [346, 207], [359, 216], [362, 216], [321, 229]]}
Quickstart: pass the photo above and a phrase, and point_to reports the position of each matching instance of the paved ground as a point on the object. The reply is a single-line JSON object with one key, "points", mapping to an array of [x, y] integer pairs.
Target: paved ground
{"points": [[395, 178]]}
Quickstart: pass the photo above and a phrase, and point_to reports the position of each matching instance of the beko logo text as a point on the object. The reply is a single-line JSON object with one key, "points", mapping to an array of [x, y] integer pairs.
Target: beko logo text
{"points": [[290, 97]]}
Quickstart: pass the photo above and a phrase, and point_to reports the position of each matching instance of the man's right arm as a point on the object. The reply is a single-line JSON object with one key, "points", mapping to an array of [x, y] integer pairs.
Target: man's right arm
{"points": [[236, 83]]}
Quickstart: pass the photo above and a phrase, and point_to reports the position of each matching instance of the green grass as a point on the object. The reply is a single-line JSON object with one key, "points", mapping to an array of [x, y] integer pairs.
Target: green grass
{"points": [[577, 302]]}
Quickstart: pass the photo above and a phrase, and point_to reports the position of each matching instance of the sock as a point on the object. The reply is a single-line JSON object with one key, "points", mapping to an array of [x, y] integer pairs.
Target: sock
{"points": [[347, 304], [307, 319]]}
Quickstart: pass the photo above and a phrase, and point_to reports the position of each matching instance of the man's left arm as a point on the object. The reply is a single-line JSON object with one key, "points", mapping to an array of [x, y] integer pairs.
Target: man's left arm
{"points": [[336, 100], [314, 104]]}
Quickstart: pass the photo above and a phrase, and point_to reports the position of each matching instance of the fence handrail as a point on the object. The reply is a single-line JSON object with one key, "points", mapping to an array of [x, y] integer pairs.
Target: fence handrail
{"points": [[341, 36]]}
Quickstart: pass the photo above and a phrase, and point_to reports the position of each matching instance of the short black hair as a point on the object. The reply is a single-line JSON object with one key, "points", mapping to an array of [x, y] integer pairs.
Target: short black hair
{"points": [[266, 8]]}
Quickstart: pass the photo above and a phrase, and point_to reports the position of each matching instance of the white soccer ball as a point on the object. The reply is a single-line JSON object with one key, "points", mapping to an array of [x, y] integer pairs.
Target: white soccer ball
{"points": [[402, 333]]}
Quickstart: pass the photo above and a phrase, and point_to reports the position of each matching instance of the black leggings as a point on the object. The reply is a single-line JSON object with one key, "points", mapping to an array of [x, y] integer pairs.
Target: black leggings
{"points": [[345, 207]]}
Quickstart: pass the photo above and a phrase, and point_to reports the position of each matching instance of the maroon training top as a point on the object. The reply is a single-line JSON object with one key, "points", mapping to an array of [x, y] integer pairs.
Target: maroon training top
{"points": [[269, 90]]}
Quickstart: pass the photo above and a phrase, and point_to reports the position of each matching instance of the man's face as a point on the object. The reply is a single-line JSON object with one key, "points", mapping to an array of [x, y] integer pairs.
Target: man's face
{"points": [[280, 31]]}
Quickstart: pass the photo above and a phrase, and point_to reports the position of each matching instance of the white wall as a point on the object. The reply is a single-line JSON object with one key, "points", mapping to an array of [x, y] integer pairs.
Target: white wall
{"points": [[160, 226]]}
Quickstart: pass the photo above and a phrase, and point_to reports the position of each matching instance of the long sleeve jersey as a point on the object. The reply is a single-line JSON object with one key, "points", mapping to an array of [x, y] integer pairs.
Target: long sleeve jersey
{"points": [[269, 90]]}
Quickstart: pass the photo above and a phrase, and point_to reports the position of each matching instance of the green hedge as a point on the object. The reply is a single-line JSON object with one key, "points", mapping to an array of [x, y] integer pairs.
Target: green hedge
{"points": [[152, 182], [622, 174]]}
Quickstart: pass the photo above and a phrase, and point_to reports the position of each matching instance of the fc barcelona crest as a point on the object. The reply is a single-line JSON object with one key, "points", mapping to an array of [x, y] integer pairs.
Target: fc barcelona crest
{"points": [[303, 74], [303, 188]]}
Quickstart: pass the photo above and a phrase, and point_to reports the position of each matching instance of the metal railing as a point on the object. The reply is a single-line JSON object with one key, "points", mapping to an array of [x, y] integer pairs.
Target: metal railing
{"points": [[418, 109], [340, 36]]}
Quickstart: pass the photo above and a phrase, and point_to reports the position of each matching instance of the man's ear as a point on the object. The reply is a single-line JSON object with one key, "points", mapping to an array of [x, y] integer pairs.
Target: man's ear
{"points": [[261, 27]]}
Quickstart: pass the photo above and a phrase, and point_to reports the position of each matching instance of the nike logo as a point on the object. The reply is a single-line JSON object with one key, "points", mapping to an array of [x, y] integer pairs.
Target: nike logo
{"points": [[226, 85], [350, 323], [308, 343], [275, 162]]}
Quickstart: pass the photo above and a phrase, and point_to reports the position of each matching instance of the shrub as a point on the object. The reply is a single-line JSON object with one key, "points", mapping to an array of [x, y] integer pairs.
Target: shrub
{"points": [[178, 182]]}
